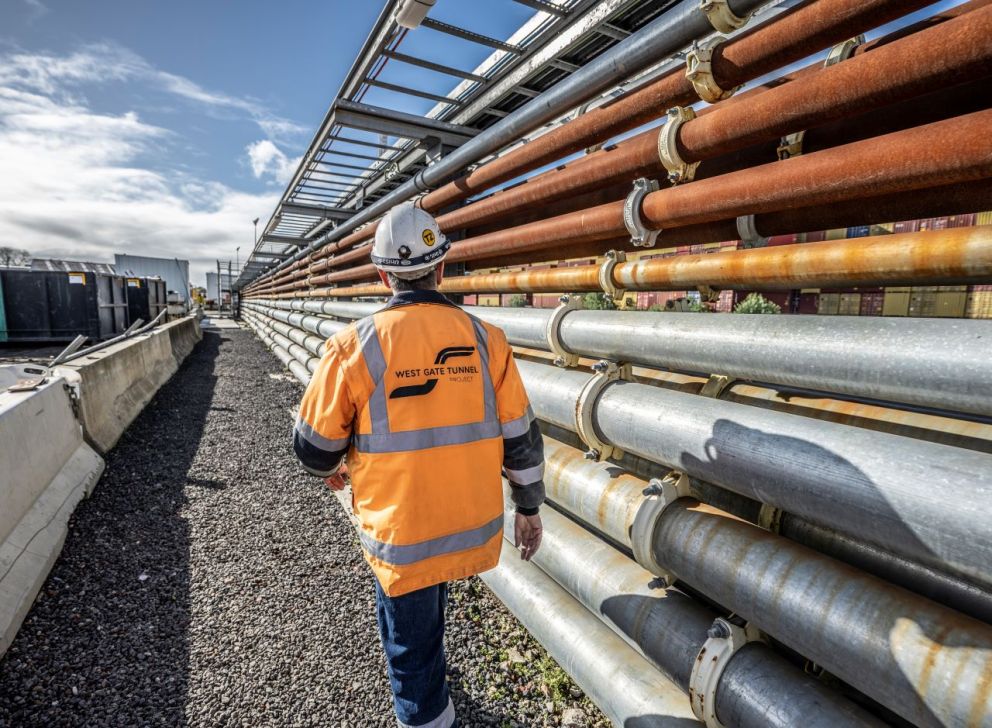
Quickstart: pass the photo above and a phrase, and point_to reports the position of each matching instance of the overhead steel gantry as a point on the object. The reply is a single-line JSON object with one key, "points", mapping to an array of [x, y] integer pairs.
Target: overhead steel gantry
{"points": [[362, 151]]}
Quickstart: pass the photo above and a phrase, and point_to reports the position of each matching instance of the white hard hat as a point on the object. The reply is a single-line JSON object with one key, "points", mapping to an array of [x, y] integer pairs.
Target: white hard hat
{"points": [[408, 242]]}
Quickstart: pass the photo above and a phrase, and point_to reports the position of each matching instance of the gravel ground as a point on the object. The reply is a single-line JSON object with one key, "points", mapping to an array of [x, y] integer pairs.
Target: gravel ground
{"points": [[210, 582]]}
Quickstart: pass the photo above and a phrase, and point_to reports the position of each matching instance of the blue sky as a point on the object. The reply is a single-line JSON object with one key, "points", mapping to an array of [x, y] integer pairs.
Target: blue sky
{"points": [[163, 127]]}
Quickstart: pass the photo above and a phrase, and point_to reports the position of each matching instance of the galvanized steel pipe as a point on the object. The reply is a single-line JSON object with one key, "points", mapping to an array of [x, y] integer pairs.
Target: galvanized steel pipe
{"points": [[921, 362], [610, 502], [872, 485], [669, 629], [925, 662], [625, 686]]}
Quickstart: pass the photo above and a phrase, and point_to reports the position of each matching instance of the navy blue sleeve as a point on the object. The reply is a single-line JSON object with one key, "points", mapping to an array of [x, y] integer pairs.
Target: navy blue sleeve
{"points": [[523, 463], [318, 455]]}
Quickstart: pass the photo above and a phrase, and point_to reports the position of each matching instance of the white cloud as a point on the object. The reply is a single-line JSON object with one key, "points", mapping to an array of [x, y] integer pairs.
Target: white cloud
{"points": [[107, 62], [267, 159], [74, 184]]}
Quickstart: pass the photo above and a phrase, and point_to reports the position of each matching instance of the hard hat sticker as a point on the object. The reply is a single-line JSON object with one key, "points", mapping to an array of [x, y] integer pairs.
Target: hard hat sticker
{"points": [[428, 236]]}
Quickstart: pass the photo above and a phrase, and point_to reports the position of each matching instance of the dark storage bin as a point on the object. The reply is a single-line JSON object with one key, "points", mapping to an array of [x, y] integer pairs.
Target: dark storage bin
{"points": [[53, 306], [146, 298]]}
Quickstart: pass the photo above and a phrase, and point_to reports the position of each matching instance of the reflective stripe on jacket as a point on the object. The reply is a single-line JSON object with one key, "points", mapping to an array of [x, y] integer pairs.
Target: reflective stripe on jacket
{"points": [[427, 403]]}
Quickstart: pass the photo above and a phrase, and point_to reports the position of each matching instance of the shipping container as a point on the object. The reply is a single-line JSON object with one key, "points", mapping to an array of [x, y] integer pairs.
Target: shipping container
{"points": [[782, 240], [809, 301], [896, 301], [836, 234], [59, 306], [951, 302], [933, 223], [849, 304], [829, 304], [983, 218], [725, 302], [906, 226], [955, 221], [872, 303], [817, 236], [859, 231], [979, 305]]}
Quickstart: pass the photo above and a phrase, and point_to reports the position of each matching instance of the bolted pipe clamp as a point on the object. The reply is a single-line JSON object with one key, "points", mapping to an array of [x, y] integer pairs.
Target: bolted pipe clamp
{"points": [[721, 16], [699, 71], [605, 372], [791, 145], [724, 640], [563, 357], [750, 236], [668, 152], [659, 494], [640, 236], [613, 258], [770, 518], [715, 385]]}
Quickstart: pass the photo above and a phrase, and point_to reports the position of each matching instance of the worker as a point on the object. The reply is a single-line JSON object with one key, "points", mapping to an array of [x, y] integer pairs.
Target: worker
{"points": [[425, 403]]}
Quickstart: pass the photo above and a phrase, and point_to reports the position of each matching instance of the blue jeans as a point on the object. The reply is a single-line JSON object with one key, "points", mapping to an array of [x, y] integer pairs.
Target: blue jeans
{"points": [[411, 628]]}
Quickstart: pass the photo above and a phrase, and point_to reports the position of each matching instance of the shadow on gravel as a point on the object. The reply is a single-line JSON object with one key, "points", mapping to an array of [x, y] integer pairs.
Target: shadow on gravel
{"points": [[106, 642]]}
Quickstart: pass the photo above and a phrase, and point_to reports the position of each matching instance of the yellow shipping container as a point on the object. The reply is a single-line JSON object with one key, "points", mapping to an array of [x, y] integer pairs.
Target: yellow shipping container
{"points": [[837, 234], [984, 218], [979, 305], [896, 302], [951, 304]]}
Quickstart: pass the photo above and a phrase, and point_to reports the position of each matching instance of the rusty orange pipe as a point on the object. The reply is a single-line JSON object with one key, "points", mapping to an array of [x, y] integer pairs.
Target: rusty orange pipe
{"points": [[955, 255], [791, 37], [945, 152]]}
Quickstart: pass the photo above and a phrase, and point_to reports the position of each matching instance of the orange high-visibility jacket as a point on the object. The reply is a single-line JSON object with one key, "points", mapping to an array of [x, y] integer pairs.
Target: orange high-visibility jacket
{"points": [[427, 404]]}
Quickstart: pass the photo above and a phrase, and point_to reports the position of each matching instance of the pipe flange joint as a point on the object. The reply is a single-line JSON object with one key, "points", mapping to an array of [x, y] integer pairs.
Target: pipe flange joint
{"points": [[563, 357], [604, 373], [748, 232], [724, 640], [640, 236], [660, 493], [668, 152], [613, 258], [420, 184], [699, 71], [721, 15]]}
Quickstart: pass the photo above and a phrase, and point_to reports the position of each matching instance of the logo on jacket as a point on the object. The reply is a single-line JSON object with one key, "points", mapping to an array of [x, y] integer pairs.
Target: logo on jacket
{"points": [[432, 373]]}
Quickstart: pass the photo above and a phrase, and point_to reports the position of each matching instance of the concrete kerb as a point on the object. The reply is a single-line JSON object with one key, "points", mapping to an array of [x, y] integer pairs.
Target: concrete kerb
{"points": [[113, 385], [45, 470]]}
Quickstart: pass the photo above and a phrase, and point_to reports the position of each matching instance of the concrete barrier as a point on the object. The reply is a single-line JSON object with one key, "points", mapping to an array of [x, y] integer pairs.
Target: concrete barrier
{"points": [[113, 385], [46, 468]]}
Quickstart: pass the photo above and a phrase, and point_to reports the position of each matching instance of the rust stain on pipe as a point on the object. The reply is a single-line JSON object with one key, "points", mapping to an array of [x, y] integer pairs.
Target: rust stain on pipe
{"points": [[945, 152], [790, 37]]}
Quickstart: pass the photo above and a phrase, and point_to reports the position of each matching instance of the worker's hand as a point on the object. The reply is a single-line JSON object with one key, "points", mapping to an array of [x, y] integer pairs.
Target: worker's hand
{"points": [[527, 532], [337, 481]]}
